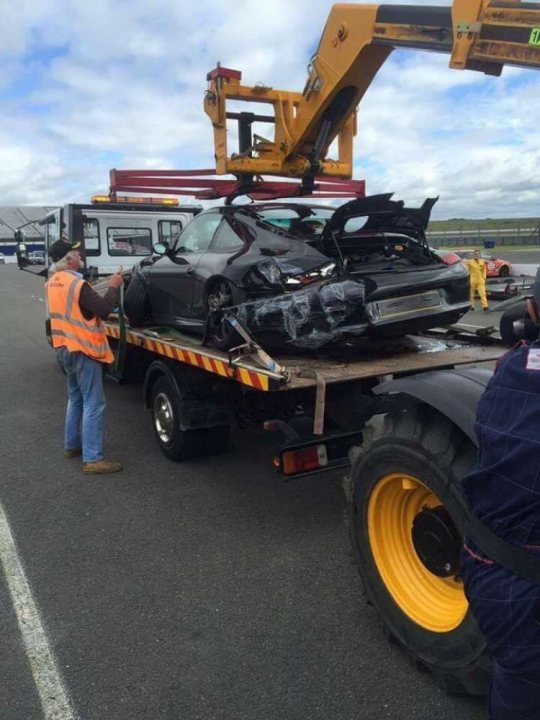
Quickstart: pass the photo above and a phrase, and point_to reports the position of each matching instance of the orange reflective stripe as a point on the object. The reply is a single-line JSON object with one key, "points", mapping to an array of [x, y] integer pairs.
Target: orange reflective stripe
{"points": [[69, 327]]}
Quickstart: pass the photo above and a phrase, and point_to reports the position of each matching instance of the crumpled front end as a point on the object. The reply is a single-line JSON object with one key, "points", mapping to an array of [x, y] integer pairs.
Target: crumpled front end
{"points": [[308, 318]]}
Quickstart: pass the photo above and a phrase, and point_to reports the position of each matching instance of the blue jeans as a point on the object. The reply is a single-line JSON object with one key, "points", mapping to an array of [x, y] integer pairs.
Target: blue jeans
{"points": [[86, 404]]}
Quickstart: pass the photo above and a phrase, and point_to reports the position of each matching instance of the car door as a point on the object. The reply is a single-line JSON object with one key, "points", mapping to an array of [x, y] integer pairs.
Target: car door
{"points": [[230, 238], [172, 277]]}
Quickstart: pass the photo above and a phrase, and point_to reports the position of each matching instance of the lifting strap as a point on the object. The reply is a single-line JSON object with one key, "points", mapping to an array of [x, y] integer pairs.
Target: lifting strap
{"points": [[122, 339], [515, 559]]}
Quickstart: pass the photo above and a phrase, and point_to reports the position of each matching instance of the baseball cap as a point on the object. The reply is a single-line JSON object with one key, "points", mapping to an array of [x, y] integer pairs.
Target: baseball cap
{"points": [[61, 248]]}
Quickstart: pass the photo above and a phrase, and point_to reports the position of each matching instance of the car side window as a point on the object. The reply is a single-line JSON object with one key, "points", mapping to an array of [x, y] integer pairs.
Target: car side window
{"points": [[169, 231], [198, 234], [228, 238]]}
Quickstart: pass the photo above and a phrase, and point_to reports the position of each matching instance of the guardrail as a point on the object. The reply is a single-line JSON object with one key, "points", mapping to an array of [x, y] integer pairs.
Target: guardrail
{"points": [[518, 235]]}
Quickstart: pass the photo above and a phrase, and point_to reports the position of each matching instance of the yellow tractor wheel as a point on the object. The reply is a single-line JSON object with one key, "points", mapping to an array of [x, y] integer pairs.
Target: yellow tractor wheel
{"points": [[406, 530], [416, 550]]}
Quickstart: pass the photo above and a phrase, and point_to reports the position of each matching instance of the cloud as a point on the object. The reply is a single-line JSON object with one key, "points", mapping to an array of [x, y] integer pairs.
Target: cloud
{"points": [[89, 86]]}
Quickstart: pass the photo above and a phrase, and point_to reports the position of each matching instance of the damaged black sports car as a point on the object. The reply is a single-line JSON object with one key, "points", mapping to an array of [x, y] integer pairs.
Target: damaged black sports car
{"points": [[299, 275]]}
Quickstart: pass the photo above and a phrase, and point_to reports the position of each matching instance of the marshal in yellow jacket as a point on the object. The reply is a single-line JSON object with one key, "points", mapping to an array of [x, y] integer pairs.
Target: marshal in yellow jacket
{"points": [[477, 273]]}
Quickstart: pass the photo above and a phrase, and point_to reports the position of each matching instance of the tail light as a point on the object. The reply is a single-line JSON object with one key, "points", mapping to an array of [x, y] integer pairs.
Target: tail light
{"points": [[303, 460]]}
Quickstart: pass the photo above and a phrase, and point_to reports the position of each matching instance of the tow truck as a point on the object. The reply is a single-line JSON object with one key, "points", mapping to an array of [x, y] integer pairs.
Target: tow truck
{"points": [[112, 230], [398, 414]]}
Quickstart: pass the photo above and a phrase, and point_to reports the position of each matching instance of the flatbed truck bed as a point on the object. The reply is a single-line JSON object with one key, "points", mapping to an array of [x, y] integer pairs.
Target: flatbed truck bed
{"points": [[368, 359], [196, 393]]}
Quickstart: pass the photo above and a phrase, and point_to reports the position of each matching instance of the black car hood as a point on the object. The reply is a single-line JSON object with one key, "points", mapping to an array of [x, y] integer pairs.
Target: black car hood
{"points": [[383, 215]]}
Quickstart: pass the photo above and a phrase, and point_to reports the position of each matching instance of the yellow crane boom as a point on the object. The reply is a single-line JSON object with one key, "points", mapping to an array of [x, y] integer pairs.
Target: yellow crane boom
{"points": [[481, 35]]}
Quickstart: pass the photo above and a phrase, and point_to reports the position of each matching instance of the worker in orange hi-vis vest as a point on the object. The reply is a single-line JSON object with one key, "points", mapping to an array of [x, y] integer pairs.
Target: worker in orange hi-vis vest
{"points": [[78, 335], [477, 274]]}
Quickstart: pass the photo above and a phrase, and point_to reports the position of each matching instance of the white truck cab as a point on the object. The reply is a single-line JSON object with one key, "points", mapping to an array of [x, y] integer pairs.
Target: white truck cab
{"points": [[116, 233]]}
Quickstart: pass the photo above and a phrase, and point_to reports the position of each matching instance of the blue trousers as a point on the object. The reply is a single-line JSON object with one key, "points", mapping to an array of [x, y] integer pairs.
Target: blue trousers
{"points": [[507, 610], [86, 404]]}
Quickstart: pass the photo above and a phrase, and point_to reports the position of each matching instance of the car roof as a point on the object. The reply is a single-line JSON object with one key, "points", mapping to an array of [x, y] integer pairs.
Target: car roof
{"points": [[254, 209]]}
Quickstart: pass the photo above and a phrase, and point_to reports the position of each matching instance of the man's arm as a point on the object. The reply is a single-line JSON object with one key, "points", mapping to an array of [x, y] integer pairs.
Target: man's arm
{"points": [[92, 304]]}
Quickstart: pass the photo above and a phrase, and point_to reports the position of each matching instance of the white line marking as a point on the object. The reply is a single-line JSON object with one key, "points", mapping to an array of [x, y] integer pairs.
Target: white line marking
{"points": [[54, 698]]}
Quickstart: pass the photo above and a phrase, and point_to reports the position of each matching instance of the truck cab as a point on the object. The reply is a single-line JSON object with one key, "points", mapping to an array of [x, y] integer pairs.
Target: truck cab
{"points": [[120, 232]]}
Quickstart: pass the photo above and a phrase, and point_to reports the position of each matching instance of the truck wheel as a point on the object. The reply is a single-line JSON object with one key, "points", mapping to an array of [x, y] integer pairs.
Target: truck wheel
{"points": [[175, 443], [137, 302], [406, 531]]}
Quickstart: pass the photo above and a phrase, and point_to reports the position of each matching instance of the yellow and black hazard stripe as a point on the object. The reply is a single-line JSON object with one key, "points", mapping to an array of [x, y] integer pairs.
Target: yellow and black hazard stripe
{"points": [[252, 378]]}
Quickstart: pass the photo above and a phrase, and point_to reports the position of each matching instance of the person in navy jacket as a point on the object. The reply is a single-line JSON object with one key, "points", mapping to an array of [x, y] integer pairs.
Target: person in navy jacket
{"points": [[503, 491]]}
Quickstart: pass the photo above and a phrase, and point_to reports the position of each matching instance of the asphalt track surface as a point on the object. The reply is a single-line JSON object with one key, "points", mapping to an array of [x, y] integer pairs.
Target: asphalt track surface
{"points": [[208, 590]]}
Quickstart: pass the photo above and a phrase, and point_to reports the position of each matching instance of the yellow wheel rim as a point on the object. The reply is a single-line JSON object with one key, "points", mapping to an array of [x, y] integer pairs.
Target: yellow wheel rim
{"points": [[436, 604]]}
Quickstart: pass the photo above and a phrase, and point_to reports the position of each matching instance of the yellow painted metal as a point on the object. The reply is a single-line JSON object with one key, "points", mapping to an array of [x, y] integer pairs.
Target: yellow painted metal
{"points": [[436, 604], [346, 58], [465, 19], [352, 48]]}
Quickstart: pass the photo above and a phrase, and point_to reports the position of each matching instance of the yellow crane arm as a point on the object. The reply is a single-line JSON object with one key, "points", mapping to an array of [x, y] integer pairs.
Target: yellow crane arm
{"points": [[482, 35]]}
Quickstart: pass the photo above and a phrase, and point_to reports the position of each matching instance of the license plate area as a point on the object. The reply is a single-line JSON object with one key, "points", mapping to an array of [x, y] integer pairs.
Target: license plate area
{"points": [[408, 304]]}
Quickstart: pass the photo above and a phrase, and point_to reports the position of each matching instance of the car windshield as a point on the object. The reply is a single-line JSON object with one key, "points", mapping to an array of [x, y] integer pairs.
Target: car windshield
{"points": [[304, 222]]}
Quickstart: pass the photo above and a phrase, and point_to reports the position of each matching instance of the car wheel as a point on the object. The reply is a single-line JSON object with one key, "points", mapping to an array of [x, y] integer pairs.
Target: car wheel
{"points": [[220, 332], [504, 271], [137, 302]]}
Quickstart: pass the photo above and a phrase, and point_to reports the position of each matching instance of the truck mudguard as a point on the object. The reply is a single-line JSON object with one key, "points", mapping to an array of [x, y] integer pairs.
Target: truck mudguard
{"points": [[454, 393]]}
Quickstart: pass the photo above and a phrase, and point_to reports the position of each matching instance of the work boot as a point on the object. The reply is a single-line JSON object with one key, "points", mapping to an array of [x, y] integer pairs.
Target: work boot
{"points": [[485, 309], [102, 467], [73, 453]]}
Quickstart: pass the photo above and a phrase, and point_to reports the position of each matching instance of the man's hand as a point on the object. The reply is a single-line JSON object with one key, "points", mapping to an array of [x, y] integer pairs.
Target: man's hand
{"points": [[117, 279]]}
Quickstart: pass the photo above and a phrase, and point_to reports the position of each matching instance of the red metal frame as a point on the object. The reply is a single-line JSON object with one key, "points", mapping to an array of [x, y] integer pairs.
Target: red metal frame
{"points": [[204, 185], [222, 72]]}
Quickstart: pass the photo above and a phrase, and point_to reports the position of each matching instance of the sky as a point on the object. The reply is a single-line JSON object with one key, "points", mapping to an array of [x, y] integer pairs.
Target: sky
{"points": [[90, 86]]}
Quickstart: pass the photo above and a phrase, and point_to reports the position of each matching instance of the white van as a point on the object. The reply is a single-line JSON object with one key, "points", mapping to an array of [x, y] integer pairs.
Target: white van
{"points": [[117, 233]]}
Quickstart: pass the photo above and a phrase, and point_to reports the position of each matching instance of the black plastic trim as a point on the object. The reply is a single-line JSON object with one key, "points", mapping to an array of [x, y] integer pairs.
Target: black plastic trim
{"points": [[414, 15]]}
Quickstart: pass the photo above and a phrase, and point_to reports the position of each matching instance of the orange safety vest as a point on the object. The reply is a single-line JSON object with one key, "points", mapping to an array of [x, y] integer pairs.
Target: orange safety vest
{"points": [[69, 327]]}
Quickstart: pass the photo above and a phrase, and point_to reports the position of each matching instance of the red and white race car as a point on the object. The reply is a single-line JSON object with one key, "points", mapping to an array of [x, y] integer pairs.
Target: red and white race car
{"points": [[495, 267]]}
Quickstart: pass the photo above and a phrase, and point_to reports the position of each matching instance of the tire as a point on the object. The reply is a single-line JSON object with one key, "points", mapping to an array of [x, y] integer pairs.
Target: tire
{"points": [[137, 302], [220, 333], [174, 443], [504, 271], [411, 468]]}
